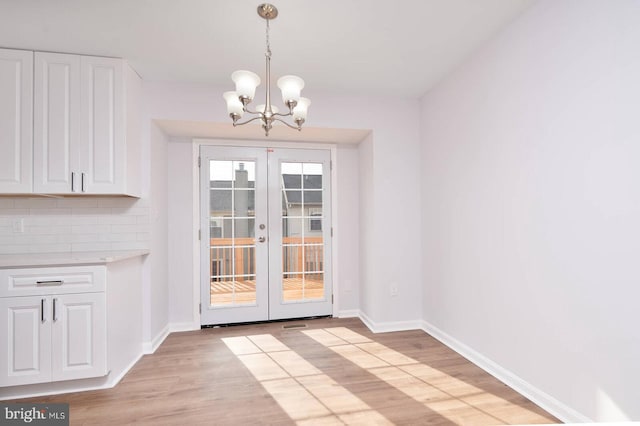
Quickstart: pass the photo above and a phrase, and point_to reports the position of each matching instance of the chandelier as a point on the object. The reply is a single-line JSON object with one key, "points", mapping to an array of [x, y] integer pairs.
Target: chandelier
{"points": [[246, 82]]}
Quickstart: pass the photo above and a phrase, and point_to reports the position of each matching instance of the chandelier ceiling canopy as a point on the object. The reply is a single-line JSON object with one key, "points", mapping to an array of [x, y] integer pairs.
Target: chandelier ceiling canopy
{"points": [[246, 83]]}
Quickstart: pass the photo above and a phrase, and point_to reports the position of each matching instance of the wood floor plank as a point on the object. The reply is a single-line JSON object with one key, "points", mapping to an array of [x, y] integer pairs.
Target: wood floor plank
{"points": [[302, 376]]}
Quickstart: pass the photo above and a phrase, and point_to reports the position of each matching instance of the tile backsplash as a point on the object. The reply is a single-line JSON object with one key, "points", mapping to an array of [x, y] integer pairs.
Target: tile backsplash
{"points": [[44, 225]]}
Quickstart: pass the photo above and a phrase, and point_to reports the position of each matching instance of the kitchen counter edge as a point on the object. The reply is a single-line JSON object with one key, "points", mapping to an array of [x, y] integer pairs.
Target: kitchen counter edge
{"points": [[8, 261]]}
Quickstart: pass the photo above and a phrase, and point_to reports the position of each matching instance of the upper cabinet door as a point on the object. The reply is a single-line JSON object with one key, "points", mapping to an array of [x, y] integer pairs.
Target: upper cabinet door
{"points": [[16, 121], [56, 123], [102, 151]]}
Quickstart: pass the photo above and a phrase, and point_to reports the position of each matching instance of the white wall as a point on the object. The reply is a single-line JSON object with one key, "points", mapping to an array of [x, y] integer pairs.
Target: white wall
{"points": [[367, 258], [157, 285], [395, 182], [345, 224], [181, 234], [531, 204]]}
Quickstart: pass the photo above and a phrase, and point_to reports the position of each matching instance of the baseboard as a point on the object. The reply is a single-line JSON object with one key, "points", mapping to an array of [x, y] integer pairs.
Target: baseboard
{"points": [[183, 326], [387, 327], [150, 347], [70, 386], [116, 379], [544, 400], [349, 313]]}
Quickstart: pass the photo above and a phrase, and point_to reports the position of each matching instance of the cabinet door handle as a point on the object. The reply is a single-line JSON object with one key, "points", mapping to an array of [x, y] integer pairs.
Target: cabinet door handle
{"points": [[73, 180], [42, 317], [49, 283], [82, 182], [55, 317]]}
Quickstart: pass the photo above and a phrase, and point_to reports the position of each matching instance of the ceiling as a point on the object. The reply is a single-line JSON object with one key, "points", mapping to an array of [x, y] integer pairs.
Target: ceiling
{"points": [[360, 47]]}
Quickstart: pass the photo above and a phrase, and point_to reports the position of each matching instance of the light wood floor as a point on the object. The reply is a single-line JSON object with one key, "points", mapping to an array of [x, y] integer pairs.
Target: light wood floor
{"points": [[333, 371]]}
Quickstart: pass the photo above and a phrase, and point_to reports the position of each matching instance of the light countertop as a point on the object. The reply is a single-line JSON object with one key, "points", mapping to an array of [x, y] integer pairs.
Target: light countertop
{"points": [[67, 259]]}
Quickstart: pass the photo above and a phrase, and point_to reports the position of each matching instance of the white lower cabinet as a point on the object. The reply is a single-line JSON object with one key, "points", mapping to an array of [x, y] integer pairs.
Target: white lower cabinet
{"points": [[52, 336]]}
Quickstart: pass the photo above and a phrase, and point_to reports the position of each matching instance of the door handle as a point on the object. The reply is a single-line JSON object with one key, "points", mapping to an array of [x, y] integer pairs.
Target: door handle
{"points": [[262, 239], [42, 317], [55, 317]]}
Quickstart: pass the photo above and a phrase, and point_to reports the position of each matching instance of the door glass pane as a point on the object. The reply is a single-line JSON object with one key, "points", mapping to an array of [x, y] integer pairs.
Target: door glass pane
{"points": [[232, 231], [302, 237]]}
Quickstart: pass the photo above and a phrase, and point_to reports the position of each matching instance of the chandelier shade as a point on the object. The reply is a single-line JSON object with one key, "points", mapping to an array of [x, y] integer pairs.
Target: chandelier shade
{"points": [[247, 81], [300, 110], [291, 86], [234, 105]]}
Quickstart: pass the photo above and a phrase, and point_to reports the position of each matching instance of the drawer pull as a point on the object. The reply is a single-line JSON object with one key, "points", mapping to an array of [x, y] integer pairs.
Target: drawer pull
{"points": [[49, 283]]}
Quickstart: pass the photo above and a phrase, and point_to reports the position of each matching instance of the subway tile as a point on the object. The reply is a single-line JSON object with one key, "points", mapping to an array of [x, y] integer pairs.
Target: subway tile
{"points": [[13, 249], [113, 219], [134, 211], [48, 220], [121, 202], [143, 236], [36, 203], [42, 239], [126, 228], [124, 237], [90, 229], [82, 238], [6, 203], [138, 245], [90, 211], [79, 202], [14, 212], [47, 230], [50, 248], [84, 220], [7, 239], [90, 246]]}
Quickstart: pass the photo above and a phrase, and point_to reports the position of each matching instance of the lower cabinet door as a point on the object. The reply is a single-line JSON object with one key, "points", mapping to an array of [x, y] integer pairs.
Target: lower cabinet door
{"points": [[79, 336], [25, 326]]}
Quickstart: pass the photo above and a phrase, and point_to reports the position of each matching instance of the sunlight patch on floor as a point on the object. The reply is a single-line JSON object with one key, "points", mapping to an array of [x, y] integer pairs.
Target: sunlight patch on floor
{"points": [[452, 398], [306, 394]]}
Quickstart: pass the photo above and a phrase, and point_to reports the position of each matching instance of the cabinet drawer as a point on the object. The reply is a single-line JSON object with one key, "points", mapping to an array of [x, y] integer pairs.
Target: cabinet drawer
{"points": [[61, 280]]}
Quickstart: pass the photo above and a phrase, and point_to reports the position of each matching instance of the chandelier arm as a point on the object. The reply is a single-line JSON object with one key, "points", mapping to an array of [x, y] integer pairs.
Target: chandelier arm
{"points": [[249, 121], [287, 124], [279, 114], [248, 111]]}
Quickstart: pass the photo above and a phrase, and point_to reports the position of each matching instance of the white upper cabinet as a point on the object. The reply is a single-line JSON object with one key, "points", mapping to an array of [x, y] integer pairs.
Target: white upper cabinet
{"points": [[82, 141], [16, 120], [56, 123], [102, 151]]}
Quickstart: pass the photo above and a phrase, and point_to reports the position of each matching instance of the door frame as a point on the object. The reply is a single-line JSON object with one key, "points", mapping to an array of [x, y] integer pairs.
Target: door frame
{"points": [[196, 144]]}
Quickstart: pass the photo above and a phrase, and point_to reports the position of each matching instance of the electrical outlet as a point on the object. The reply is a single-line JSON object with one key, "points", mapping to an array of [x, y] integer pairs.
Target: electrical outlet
{"points": [[18, 226], [393, 289]]}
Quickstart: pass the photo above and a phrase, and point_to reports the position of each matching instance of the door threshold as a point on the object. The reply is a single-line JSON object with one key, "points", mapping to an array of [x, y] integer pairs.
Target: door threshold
{"points": [[286, 326]]}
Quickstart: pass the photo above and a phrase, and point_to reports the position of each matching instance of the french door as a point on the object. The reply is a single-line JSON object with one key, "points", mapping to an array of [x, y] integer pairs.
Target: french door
{"points": [[265, 234]]}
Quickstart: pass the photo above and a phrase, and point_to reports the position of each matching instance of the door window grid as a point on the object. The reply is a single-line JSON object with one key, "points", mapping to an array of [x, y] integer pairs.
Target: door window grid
{"points": [[238, 286], [302, 254]]}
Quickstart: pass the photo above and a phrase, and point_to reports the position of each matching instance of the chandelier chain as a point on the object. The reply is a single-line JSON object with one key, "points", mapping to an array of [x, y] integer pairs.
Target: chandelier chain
{"points": [[268, 54]]}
